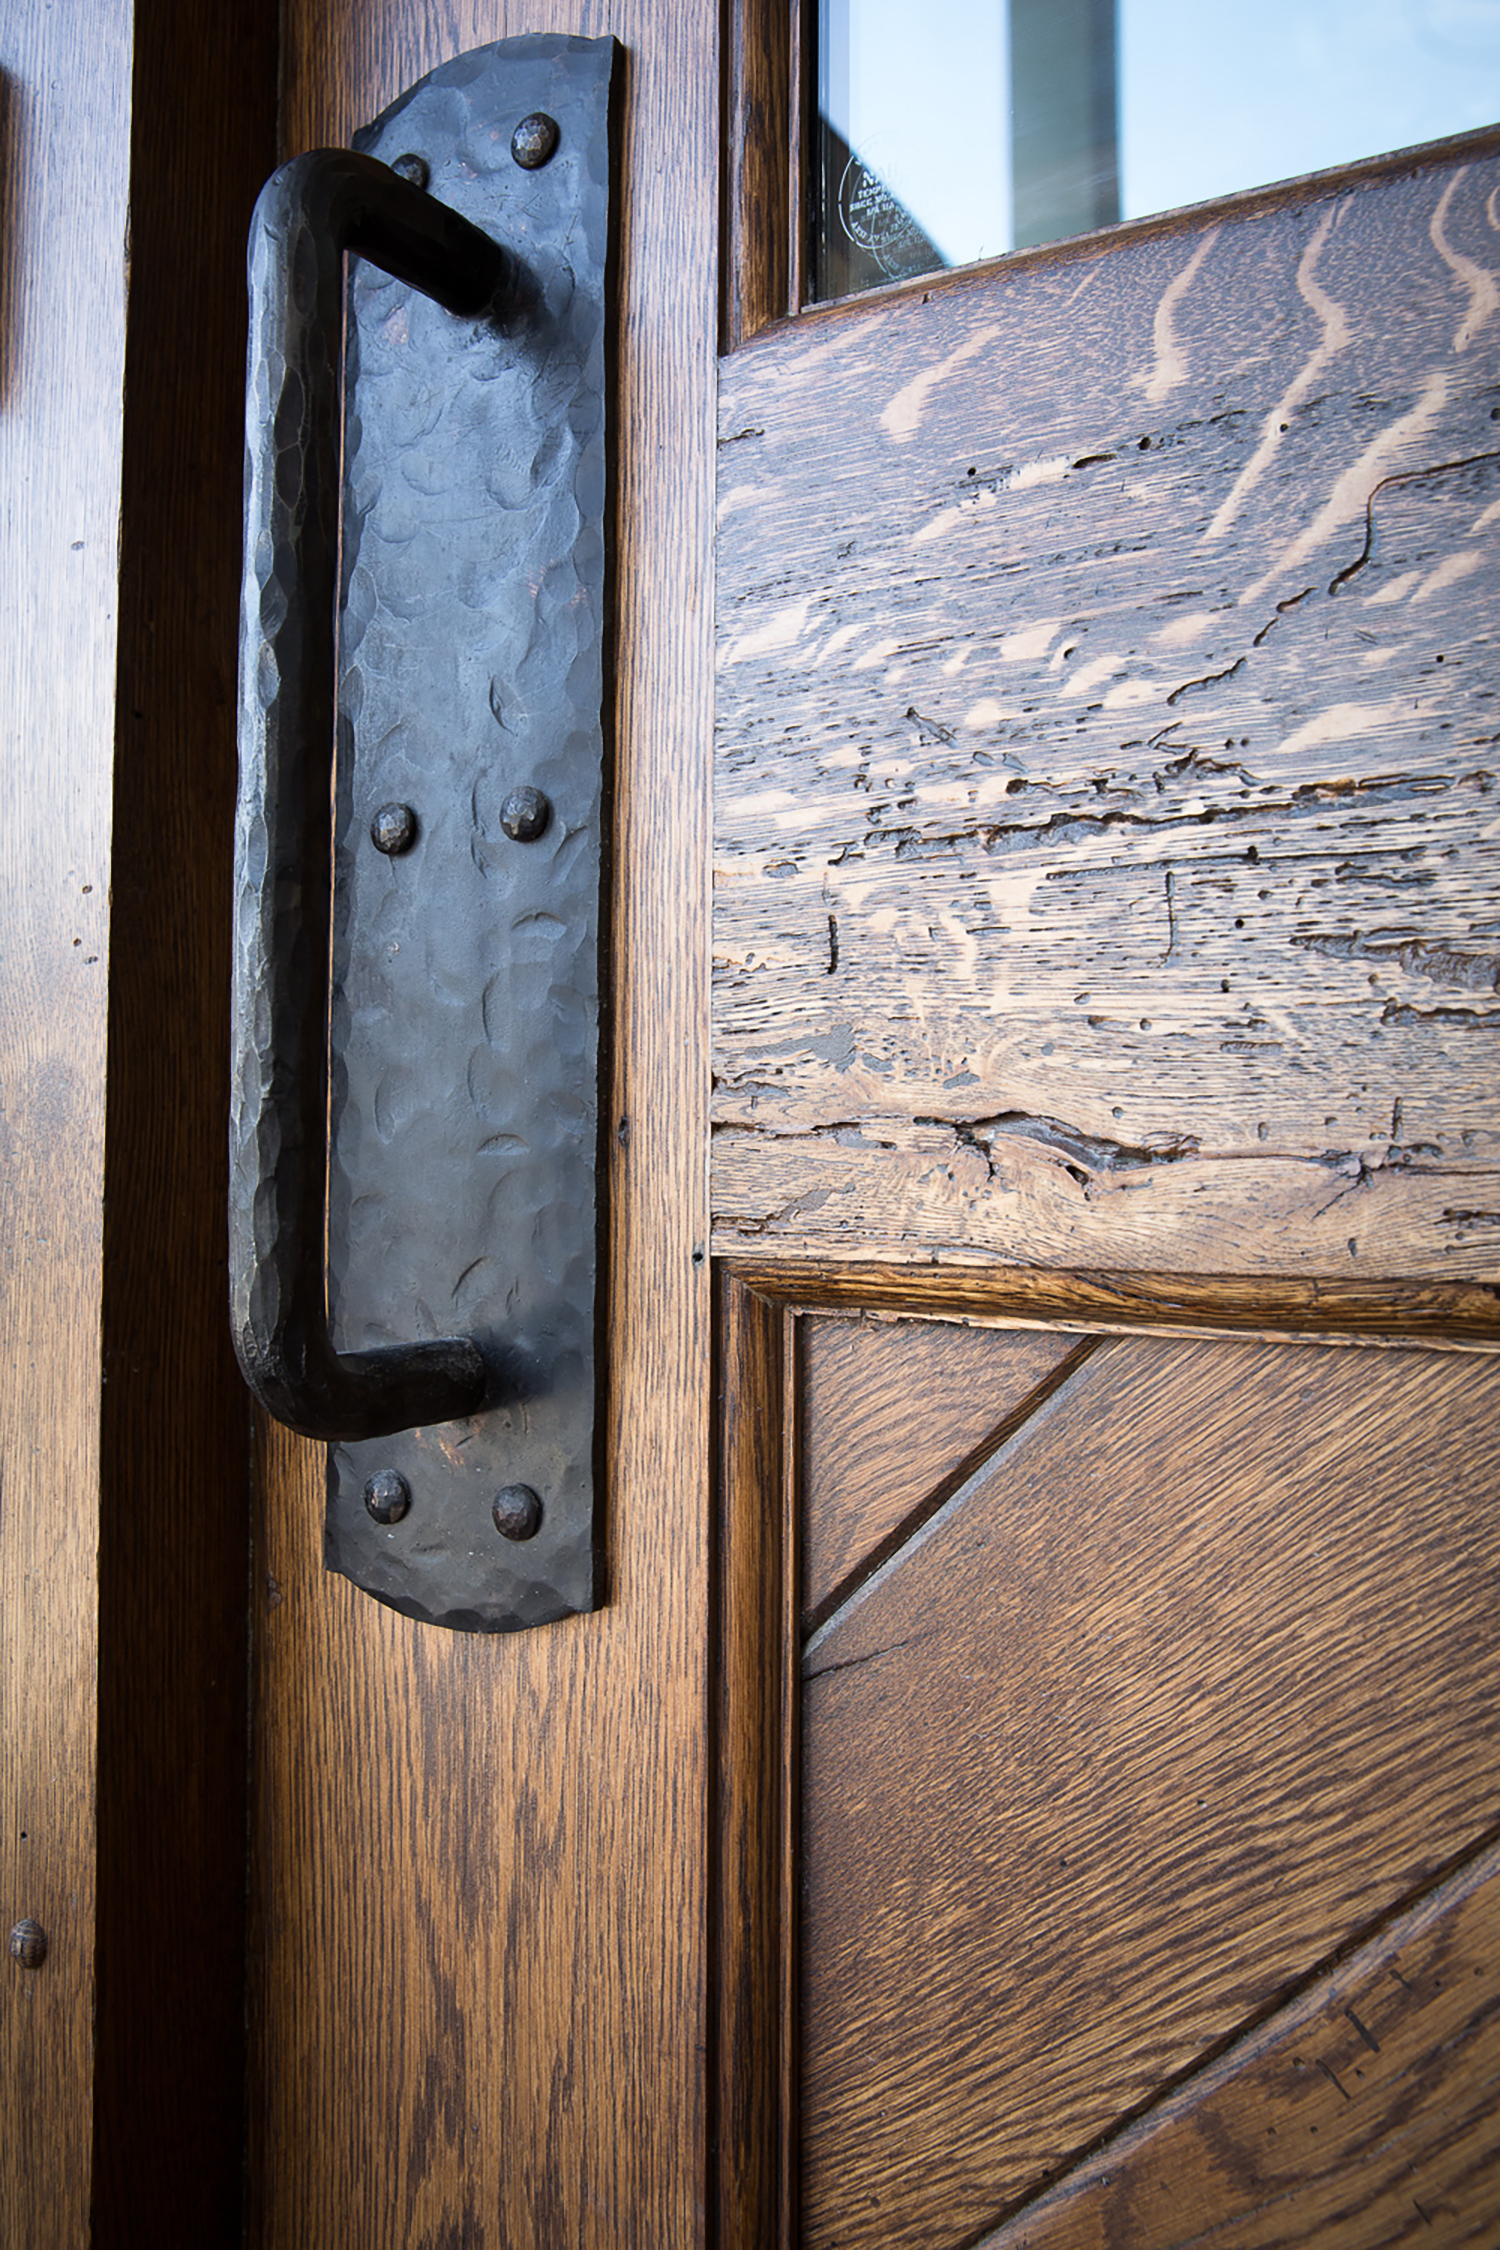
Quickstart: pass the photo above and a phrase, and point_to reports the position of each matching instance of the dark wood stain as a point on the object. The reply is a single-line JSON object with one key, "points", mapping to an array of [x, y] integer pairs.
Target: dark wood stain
{"points": [[893, 1414], [753, 2060], [760, 163], [1184, 1688], [478, 1934], [1122, 683], [1361, 2114], [174, 1532]]}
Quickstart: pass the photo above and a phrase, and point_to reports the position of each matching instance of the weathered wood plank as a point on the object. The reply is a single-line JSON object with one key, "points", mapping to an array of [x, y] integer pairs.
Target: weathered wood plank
{"points": [[1360, 2115], [1107, 756], [1188, 1686]]}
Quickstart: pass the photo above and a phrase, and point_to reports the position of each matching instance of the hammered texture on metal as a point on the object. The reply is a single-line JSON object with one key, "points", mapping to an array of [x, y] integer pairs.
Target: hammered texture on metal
{"points": [[307, 215], [464, 984]]}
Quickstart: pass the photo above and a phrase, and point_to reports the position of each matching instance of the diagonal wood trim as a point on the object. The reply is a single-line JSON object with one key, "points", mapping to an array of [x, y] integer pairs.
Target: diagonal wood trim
{"points": [[888, 1548], [1356, 2057], [1181, 1693], [867, 1459], [1395, 164], [754, 1723]]}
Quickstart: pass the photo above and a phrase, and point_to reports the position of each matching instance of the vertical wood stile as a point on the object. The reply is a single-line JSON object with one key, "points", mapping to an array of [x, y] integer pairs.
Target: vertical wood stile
{"points": [[754, 1686], [65, 91], [478, 1886], [762, 110], [176, 1424]]}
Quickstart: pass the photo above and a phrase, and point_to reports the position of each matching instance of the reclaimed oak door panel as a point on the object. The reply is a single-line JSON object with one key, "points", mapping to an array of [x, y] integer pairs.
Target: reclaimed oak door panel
{"points": [[1186, 1686], [1362, 2114], [1105, 1185], [1108, 732], [1123, 1773]]}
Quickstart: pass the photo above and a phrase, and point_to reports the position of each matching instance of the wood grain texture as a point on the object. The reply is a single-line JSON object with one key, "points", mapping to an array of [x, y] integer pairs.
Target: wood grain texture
{"points": [[174, 1536], [892, 1412], [753, 2001], [758, 166], [478, 1948], [1462, 1316], [1107, 750], [1360, 2115], [65, 80], [1185, 1688]]}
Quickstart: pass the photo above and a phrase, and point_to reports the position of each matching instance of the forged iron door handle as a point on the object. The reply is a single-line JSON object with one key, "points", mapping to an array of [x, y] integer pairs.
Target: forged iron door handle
{"points": [[417, 1144], [310, 213]]}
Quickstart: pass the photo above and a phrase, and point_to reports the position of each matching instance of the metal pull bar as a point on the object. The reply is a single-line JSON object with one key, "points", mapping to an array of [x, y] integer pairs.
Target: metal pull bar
{"points": [[415, 1210], [310, 213]]}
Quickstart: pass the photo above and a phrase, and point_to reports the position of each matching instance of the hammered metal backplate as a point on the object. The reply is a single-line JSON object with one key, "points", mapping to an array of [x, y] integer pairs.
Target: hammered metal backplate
{"points": [[465, 1003]]}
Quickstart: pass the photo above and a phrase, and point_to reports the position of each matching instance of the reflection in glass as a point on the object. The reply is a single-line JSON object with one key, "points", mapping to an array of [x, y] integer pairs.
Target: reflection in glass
{"points": [[959, 130], [911, 147]]}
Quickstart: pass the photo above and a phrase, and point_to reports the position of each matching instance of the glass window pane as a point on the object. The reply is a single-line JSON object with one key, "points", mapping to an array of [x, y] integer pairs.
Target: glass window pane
{"points": [[1314, 82], [912, 141], [964, 128]]}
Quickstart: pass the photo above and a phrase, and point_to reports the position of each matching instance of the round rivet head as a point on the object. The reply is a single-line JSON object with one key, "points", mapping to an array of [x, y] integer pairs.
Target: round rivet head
{"points": [[534, 140], [525, 814], [387, 1495], [394, 830], [517, 1512], [413, 168], [28, 1944]]}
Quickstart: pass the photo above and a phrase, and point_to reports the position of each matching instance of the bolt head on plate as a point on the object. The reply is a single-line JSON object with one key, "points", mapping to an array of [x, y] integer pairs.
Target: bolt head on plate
{"points": [[413, 168], [525, 814], [394, 830], [534, 140], [387, 1495], [517, 1512]]}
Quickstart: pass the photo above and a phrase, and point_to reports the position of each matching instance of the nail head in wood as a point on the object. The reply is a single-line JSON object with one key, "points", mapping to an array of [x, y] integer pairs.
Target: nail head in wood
{"points": [[28, 1944]]}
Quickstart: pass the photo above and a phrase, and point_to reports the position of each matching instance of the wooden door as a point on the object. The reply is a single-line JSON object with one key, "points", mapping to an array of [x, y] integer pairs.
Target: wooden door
{"points": [[1104, 1204], [477, 1981], [1049, 1799], [1071, 1734], [130, 146]]}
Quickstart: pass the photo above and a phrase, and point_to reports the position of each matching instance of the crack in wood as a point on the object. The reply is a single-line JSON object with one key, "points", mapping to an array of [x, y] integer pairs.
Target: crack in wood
{"points": [[1444, 964], [1085, 1155], [1401, 476]]}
